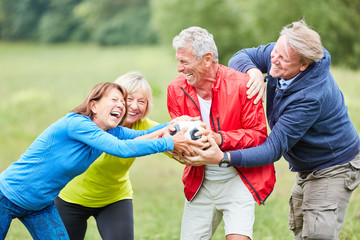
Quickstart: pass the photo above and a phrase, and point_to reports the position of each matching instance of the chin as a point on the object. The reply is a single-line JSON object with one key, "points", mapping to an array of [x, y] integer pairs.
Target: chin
{"points": [[275, 74]]}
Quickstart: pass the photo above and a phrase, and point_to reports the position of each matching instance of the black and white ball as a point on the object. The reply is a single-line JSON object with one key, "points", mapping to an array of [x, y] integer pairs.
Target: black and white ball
{"points": [[192, 128]]}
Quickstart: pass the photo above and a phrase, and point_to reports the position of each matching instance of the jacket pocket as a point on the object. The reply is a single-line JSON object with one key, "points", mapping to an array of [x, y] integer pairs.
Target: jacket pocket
{"points": [[320, 221]]}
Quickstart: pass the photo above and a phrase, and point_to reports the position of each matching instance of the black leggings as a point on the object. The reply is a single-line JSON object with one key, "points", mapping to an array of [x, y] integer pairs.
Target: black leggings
{"points": [[114, 221]]}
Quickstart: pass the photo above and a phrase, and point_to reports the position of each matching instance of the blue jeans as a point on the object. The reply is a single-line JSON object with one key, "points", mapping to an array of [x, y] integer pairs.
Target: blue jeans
{"points": [[43, 224]]}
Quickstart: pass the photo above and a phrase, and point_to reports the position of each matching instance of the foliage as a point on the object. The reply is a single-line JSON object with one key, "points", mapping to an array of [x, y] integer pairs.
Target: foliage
{"points": [[337, 22], [106, 22], [224, 19], [239, 24], [19, 18], [235, 24], [123, 28]]}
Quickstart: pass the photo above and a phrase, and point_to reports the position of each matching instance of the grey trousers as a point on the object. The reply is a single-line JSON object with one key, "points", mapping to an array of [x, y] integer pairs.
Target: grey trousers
{"points": [[319, 200]]}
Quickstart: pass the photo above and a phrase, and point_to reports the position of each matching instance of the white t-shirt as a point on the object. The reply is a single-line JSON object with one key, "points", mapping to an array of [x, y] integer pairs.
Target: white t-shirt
{"points": [[213, 171]]}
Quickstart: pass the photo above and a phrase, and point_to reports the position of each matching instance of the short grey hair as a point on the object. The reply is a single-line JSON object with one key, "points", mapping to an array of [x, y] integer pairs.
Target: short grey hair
{"points": [[201, 41], [133, 81], [304, 41]]}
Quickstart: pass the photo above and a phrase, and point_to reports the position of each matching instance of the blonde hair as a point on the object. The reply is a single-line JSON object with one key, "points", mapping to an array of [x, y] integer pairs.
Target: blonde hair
{"points": [[304, 41], [133, 81]]}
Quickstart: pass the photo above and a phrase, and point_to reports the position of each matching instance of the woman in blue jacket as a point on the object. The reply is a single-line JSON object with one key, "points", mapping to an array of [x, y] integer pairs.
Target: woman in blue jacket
{"points": [[310, 128], [65, 150]]}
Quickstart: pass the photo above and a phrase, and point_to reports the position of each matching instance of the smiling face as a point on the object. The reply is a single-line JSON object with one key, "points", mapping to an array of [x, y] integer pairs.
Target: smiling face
{"points": [[193, 69], [137, 104], [108, 110], [285, 62]]}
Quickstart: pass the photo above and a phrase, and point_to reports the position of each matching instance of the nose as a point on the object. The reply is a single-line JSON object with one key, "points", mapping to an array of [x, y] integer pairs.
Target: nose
{"points": [[133, 105], [180, 67], [121, 104], [274, 58]]}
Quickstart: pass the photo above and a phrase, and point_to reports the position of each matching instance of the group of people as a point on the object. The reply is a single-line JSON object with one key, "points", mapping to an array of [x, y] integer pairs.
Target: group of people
{"points": [[79, 166]]}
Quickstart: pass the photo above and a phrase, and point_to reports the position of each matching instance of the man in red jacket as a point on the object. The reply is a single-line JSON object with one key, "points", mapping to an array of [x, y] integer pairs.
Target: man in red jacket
{"points": [[217, 94]]}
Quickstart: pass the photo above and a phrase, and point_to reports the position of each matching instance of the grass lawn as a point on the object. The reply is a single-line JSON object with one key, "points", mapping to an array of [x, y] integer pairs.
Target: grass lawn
{"points": [[41, 83]]}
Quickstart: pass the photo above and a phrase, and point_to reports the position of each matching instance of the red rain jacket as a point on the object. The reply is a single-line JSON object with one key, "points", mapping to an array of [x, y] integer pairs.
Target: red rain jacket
{"points": [[240, 122]]}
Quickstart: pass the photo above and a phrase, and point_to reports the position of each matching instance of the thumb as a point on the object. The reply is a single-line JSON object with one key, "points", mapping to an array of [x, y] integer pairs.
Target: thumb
{"points": [[212, 141]]}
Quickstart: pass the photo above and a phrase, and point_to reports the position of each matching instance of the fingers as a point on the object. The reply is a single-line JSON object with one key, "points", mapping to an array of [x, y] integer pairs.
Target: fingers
{"points": [[212, 142], [250, 82], [179, 159], [171, 128]]}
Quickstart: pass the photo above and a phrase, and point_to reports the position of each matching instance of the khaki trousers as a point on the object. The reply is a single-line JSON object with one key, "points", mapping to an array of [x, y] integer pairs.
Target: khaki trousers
{"points": [[319, 200]]}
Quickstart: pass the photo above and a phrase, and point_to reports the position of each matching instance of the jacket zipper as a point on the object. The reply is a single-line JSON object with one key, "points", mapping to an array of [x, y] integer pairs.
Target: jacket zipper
{"points": [[203, 177], [212, 119]]}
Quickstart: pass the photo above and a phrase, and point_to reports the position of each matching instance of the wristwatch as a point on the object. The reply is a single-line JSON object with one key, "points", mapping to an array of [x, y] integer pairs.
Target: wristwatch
{"points": [[225, 162]]}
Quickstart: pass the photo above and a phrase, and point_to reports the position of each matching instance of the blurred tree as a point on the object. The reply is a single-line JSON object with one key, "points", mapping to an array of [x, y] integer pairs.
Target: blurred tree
{"points": [[230, 21], [117, 22], [337, 22], [107, 22], [19, 18], [58, 23], [239, 24]]}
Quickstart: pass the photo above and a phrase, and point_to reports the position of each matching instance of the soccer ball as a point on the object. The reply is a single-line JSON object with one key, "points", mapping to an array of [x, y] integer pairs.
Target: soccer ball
{"points": [[192, 128]]}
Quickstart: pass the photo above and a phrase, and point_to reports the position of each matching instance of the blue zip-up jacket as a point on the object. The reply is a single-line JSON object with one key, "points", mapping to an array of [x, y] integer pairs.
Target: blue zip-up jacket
{"points": [[309, 122], [66, 149]]}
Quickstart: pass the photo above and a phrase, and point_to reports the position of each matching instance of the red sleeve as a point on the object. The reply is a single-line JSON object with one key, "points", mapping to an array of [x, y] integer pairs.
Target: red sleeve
{"points": [[173, 106]]}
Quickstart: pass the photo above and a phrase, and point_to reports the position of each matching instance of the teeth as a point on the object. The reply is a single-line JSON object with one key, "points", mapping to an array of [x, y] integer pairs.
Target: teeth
{"points": [[115, 114], [132, 113]]}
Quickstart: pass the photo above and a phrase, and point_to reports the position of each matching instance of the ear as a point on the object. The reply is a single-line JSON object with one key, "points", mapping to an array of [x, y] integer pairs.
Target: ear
{"points": [[208, 58], [93, 106], [303, 66]]}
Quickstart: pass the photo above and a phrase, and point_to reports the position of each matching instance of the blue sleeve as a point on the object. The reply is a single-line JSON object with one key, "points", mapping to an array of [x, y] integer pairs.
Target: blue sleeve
{"points": [[248, 58], [127, 133], [290, 128], [84, 130]]}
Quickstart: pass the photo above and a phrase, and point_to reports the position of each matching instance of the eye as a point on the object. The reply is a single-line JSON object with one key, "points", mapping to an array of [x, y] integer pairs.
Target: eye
{"points": [[183, 62]]}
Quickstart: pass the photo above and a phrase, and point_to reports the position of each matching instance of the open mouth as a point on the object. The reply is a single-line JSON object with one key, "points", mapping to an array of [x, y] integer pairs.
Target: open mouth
{"points": [[188, 75], [115, 114]]}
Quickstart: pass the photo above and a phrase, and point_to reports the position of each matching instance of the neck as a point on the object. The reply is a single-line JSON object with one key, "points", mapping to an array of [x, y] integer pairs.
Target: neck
{"points": [[128, 125], [204, 91]]}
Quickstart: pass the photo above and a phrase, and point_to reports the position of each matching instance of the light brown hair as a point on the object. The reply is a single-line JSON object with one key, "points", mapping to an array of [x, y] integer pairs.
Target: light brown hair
{"points": [[95, 94]]}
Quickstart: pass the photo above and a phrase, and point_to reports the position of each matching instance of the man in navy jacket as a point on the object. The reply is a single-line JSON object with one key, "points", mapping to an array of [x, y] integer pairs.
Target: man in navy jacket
{"points": [[310, 127]]}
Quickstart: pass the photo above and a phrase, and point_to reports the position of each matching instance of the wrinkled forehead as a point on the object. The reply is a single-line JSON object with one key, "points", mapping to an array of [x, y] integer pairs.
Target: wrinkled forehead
{"points": [[283, 46]]}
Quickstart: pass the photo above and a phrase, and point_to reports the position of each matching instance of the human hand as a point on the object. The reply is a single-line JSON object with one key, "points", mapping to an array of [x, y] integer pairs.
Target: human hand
{"points": [[184, 146], [212, 155], [208, 132], [256, 85]]}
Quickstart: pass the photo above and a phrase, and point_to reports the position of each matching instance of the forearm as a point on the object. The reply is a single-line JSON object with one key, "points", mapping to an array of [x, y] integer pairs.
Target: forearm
{"points": [[153, 135]]}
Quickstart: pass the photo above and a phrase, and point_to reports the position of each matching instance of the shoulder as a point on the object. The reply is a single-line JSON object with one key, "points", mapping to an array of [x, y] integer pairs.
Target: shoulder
{"points": [[76, 120], [234, 77]]}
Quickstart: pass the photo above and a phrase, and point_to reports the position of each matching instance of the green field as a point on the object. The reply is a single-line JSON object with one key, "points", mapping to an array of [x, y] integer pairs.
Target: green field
{"points": [[41, 83]]}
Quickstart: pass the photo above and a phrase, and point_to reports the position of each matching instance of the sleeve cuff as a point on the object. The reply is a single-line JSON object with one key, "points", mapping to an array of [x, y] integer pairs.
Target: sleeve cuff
{"points": [[235, 158]]}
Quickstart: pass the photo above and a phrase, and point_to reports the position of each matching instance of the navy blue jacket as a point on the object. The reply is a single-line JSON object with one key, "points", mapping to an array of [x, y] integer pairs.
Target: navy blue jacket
{"points": [[309, 122]]}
